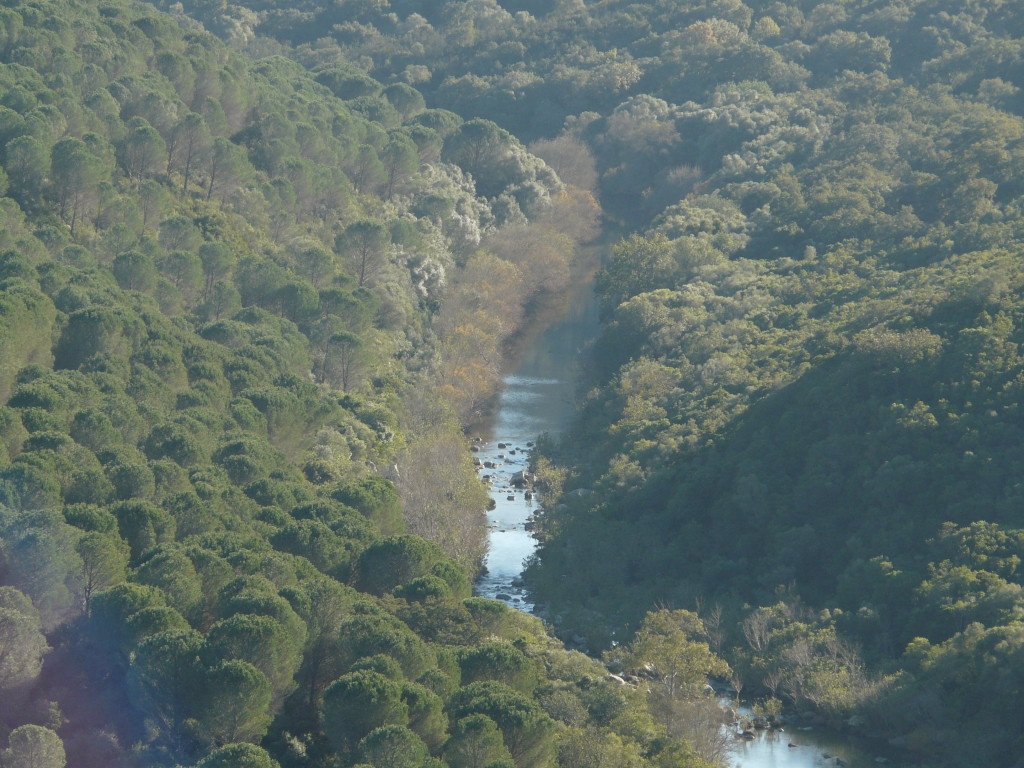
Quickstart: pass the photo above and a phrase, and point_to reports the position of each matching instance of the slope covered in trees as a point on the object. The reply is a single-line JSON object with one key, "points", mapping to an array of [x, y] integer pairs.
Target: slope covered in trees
{"points": [[805, 396], [254, 287], [242, 325]]}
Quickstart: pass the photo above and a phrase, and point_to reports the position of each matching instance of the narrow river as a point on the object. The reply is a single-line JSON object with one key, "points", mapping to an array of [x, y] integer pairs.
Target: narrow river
{"points": [[538, 396]]}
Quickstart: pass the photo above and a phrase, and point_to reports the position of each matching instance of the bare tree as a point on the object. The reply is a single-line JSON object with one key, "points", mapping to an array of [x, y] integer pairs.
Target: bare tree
{"points": [[574, 212], [757, 629], [737, 683], [699, 722], [442, 498], [543, 256], [714, 628], [571, 159], [773, 678], [799, 654], [798, 657]]}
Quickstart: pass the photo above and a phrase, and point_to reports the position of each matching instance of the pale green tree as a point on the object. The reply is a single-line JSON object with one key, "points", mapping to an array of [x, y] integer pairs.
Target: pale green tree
{"points": [[365, 244], [104, 560], [236, 703], [668, 647], [32, 746], [238, 756], [22, 643], [475, 742]]}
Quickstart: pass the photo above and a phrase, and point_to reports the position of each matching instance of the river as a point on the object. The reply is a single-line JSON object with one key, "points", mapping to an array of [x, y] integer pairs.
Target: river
{"points": [[538, 396], [809, 747]]}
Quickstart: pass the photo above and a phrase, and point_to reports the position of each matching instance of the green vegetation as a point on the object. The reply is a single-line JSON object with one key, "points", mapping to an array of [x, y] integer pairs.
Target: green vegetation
{"points": [[259, 263], [801, 416], [32, 746], [243, 324]]}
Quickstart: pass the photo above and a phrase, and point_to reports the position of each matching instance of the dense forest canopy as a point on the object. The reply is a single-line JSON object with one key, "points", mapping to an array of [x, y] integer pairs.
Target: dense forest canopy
{"points": [[242, 325], [259, 265]]}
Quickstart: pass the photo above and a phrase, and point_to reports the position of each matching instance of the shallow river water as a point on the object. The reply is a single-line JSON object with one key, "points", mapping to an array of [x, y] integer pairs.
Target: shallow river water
{"points": [[811, 748], [538, 397]]}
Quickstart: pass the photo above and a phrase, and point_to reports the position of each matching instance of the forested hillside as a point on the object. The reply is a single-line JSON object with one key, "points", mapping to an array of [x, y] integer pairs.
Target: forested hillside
{"points": [[805, 397], [260, 262], [806, 394], [242, 326]]}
